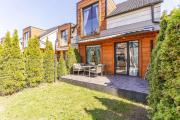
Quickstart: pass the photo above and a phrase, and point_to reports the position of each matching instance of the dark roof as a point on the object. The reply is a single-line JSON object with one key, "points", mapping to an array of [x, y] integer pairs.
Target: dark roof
{"points": [[130, 28], [48, 31], [140, 27], [131, 5]]}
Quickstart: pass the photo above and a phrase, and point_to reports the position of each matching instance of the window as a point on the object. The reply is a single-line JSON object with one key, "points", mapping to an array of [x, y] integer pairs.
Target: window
{"points": [[64, 38], [93, 54], [26, 39], [90, 20]]}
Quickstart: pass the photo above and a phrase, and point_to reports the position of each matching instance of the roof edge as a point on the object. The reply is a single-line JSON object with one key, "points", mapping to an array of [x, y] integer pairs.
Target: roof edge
{"points": [[134, 9]]}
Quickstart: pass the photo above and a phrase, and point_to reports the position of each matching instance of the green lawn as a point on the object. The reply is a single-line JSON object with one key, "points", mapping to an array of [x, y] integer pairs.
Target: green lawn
{"points": [[67, 102]]}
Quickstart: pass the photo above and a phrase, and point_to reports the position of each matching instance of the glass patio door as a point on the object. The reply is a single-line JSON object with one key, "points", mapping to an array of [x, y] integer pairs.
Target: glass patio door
{"points": [[121, 58], [93, 54], [126, 58]]}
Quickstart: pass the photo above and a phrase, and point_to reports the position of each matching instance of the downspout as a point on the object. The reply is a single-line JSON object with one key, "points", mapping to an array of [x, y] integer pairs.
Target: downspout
{"points": [[152, 15]]}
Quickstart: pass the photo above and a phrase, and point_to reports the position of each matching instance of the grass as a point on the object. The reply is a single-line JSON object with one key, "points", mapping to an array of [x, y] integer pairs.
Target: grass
{"points": [[67, 102]]}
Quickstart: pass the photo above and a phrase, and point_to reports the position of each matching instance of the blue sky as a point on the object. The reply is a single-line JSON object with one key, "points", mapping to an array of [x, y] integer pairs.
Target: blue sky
{"points": [[17, 14]]}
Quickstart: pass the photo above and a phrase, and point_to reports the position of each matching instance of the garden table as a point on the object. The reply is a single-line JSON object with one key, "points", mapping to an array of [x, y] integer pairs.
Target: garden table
{"points": [[88, 68]]}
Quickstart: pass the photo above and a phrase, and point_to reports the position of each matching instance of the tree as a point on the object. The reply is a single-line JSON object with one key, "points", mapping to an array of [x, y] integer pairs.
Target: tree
{"points": [[7, 84], [1, 60], [62, 69], [49, 68], [168, 107], [154, 77], [1, 49], [18, 65], [164, 76], [71, 59], [34, 63], [78, 57]]}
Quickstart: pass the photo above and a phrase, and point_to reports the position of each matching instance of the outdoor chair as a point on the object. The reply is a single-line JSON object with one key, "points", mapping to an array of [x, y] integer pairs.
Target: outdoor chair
{"points": [[99, 69], [78, 68]]}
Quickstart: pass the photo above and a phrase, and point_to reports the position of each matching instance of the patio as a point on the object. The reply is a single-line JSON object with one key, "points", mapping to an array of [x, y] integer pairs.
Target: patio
{"points": [[133, 88]]}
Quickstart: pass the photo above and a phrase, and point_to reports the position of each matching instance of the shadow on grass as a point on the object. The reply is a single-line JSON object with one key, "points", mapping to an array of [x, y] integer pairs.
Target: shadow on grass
{"points": [[117, 110]]}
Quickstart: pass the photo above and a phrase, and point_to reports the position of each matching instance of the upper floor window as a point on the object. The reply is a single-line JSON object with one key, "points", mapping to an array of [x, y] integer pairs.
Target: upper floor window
{"points": [[26, 39], [90, 20], [64, 38]]}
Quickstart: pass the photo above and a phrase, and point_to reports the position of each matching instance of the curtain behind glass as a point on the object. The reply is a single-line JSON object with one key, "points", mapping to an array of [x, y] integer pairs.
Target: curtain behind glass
{"points": [[87, 23], [93, 55], [133, 52], [95, 18], [98, 56]]}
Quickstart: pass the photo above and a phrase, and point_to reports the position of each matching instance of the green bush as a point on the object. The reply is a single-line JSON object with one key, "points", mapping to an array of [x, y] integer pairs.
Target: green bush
{"points": [[169, 106], [49, 68], [155, 81], [12, 66], [78, 57], [34, 63], [62, 69], [71, 59], [164, 76]]}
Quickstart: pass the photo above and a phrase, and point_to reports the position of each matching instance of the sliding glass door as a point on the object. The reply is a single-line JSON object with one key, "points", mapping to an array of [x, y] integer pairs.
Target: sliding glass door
{"points": [[121, 58], [93, 54], [126, 58]]}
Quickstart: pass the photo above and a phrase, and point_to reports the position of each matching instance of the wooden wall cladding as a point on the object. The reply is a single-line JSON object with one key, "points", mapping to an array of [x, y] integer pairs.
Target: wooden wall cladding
{"points": [[102, 14], [62, 28], [107, 50]]}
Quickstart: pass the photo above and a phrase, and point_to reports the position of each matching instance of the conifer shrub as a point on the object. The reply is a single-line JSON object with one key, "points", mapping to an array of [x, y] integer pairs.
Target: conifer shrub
{"points": [[78, 57], [18, 66], [34, 63], [71, 59], [49, 67], [155, 81], [62, 68], [169, 106], [12, 66], [164, 76]]}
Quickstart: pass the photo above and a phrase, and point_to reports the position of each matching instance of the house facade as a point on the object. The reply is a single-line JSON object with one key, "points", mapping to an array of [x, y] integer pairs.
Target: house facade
{"points": [[61, 36], [121, 36], [67, 36]]}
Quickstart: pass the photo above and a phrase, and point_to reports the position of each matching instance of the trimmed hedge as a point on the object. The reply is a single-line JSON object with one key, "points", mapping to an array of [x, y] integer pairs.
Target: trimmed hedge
{"points": [[164, 76], [71, 59], [62, 68], [12, 66], [34, 63], [49, 67]]}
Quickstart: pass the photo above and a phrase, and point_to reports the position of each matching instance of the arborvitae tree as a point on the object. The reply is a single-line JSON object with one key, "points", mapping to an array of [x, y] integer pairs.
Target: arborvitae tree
{"points": [[62, 69], [71, 59], [18, 65], [1, 49], [154, 78], [1, 60], [34, 63], [49, 68], [7, 84], [169, 106], [78, 57]]}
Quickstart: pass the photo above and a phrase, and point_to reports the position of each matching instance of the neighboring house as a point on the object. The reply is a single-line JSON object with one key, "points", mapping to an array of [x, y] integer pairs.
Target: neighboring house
{"points": [[50, 34], [61, 36], [31, 32], [121, 36], [67, 36]]}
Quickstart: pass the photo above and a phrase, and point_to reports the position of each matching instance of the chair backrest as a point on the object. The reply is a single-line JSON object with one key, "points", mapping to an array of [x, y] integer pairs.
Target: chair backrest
{"points": [[99, 68], [76, 66]]}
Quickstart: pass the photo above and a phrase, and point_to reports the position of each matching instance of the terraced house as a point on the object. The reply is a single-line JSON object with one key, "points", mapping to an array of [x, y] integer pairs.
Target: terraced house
{"points": [[121, 36], [61, 36]]}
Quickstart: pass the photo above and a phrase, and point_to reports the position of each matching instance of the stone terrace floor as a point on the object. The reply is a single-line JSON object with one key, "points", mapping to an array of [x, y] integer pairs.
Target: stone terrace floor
{"points": [[120, 82]]}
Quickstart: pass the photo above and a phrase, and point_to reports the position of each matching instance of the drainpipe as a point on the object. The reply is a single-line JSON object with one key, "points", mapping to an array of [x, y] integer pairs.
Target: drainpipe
{"points": [[152, 15]]}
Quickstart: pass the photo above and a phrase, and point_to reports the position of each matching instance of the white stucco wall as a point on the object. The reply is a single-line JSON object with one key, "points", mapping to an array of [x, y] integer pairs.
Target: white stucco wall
{"points": [[51, 37], [140, 15]]}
